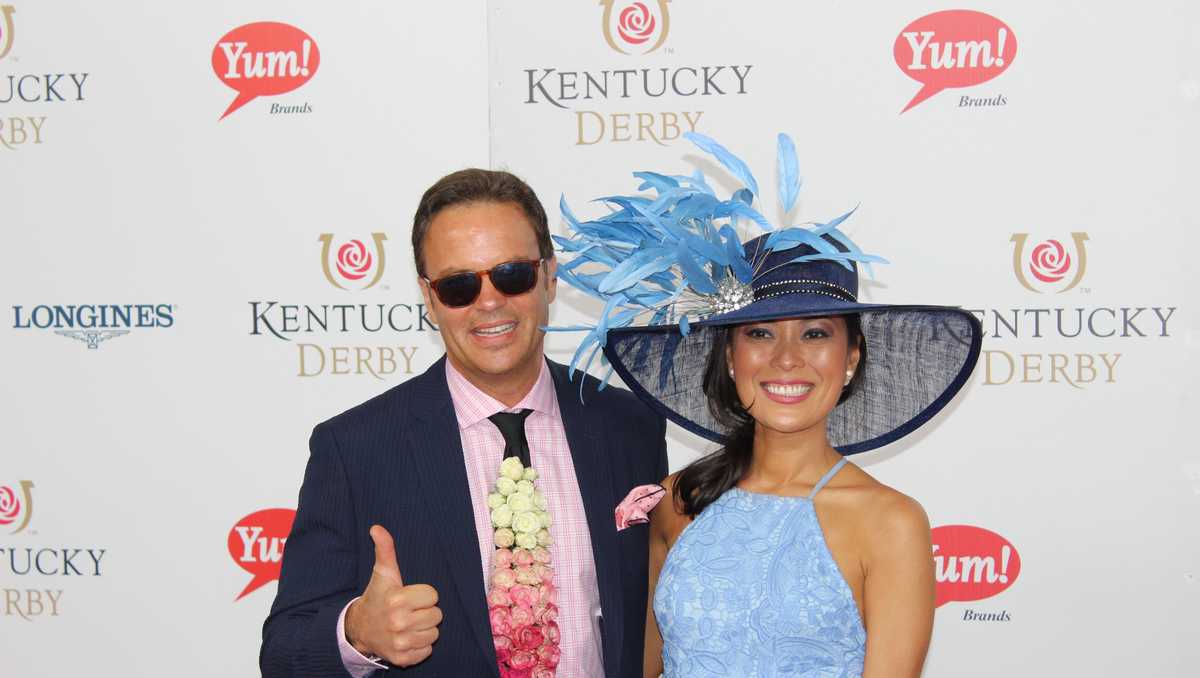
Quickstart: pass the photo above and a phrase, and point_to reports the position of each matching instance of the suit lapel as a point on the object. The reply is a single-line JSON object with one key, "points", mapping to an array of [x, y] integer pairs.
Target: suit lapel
{"points": [[585, 436], [443, 475]]}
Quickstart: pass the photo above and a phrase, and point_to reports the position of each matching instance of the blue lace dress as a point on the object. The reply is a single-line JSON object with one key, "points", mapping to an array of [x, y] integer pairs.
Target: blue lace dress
{"points": [[750, 589]]}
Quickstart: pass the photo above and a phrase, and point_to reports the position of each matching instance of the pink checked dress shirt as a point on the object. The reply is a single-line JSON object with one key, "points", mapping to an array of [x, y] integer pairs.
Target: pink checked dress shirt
{"points": [[571, 554]]}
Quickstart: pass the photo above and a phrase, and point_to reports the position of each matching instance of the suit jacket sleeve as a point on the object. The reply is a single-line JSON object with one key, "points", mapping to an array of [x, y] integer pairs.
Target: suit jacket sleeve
{"points": [[318, 575]]}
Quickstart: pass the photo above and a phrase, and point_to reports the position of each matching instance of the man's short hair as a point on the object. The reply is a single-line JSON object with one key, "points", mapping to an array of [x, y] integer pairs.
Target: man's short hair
{"points": [[474, 186]]}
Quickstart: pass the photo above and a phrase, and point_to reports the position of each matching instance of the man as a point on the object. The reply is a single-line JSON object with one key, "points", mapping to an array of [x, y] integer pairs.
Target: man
{"points": [[387, 562]]}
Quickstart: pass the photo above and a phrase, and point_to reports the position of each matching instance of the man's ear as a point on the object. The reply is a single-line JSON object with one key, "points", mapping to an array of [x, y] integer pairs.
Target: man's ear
{"points": [[551, 277]]}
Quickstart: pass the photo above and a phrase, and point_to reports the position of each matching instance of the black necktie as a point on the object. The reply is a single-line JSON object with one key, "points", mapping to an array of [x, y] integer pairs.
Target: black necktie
{"points": [[512, 426]]}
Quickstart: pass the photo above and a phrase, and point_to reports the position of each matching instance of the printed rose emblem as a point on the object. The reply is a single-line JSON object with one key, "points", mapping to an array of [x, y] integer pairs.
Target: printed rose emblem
{"points": [[635, 24], [1049, 261], [353, 260], [10, 506]]}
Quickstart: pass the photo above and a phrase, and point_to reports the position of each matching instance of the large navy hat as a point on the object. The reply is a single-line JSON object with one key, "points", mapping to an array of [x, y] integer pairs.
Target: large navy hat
{"points": [[917, 357], [673, 274]]}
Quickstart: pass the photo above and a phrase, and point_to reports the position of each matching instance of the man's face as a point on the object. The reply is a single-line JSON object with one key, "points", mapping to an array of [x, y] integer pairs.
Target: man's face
{"points": [[494, 341]]}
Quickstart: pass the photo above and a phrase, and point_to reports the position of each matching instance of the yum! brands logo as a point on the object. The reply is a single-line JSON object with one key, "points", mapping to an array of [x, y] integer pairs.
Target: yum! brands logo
{"points": [[352, 265], [635, 27], [16, 506], [266, 58], [6, 30], [1049, 264], [954, 48], [256, 544], [973, 564]]}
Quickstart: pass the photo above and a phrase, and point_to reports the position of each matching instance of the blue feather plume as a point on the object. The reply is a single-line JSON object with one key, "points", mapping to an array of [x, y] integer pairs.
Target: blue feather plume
{"points": [[662, 257]]}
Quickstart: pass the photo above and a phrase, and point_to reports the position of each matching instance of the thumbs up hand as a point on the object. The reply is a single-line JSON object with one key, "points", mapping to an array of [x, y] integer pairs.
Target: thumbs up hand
{"points": [[395, 622]]}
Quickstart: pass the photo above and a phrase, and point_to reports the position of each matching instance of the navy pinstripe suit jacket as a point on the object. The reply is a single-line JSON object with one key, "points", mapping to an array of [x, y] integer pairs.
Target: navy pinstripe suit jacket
{"points": [[397, 460]]}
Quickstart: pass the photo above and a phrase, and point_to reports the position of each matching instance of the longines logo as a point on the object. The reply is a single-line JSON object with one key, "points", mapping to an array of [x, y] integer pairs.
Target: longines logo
{"points": [[16, 507], [635, 28], [51, 564], [94, 324], [1049, 262], [353, 263]]}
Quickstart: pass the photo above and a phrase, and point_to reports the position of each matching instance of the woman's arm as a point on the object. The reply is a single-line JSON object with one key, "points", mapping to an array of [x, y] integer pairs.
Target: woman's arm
{"points": [[898, 589], [665, 525]]}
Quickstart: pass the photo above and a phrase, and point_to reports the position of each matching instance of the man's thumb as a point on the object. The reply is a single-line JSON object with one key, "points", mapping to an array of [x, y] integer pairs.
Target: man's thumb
{"points": [[385, 553]]}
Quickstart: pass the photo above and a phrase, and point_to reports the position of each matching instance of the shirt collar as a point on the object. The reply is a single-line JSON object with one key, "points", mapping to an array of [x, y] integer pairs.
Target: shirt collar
{"points": [[472, 405]]}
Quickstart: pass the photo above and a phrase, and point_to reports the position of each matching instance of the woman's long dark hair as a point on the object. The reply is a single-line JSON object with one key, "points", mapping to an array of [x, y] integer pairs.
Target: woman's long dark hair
{"points": [[702, 481]]}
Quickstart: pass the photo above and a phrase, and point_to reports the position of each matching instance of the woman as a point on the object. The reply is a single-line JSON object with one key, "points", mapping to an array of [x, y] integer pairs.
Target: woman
{"points": [[774, 556]]}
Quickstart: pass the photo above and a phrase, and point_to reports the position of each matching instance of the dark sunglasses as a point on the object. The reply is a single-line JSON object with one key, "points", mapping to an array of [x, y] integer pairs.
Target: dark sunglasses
{"points": [[510, 278]]}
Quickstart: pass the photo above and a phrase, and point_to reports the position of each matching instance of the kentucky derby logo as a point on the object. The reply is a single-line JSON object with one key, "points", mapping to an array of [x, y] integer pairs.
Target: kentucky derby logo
{"points": [[1049, 262], [16, 508], [352, 263], [6, 30], [635, 28]]}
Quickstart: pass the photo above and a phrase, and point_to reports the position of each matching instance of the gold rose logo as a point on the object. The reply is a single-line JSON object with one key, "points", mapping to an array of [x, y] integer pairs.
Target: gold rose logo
{"points": [[1049, 262], [11, 505], [636, 25], [6, 30], [353, 263]]}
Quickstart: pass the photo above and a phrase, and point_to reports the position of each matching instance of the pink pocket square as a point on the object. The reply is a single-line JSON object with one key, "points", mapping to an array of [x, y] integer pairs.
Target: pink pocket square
{"points": [[636, 507]]}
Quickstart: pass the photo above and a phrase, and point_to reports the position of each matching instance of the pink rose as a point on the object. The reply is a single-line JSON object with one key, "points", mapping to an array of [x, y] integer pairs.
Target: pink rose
{"points": [[502, 559], [504, 579], [523, 595], [550, 630], [502, 642], [545, 614], [500, 620], [523, 661], [542, 555], [523, 558], [547, 593], [528, 638], [515, 673], [527, 575], [520, 616], [498, 596], [542, 672], [549, 654], [502, 655], [545, 573]]}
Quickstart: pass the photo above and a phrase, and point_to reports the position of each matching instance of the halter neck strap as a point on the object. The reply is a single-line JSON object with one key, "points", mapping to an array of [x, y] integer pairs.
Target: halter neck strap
{"points": [[827, 477]]}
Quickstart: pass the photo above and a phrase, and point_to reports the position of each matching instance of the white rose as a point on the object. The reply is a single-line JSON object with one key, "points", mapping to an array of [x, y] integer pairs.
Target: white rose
{"points": [[526, 541], [502, 516], [519, 502], [495, 500], [544, 538], [525, 487], [544, 518], [526, 523], [506, 486], [512, 469], [539, 500], [530, 474], [505, 538]]}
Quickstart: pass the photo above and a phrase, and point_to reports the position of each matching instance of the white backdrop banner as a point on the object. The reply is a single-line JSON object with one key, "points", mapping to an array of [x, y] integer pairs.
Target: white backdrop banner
{"points": [[207, 253]]}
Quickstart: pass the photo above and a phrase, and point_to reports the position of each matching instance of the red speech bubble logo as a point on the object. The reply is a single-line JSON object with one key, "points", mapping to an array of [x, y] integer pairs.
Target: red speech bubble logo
{"points": [[256, 544], [972, 563], [264, 59], [954, 48]]}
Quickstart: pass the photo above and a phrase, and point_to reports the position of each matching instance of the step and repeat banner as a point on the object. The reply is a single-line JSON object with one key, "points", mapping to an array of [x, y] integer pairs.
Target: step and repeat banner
{"points": [[207, 253]]}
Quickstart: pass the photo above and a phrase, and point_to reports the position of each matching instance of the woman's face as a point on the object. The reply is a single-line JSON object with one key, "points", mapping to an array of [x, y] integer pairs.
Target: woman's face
{"points": [[790, 373]]}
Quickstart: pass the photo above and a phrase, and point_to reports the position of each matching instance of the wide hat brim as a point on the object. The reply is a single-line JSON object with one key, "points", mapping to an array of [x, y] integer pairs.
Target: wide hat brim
{"points": [[918, 358]]}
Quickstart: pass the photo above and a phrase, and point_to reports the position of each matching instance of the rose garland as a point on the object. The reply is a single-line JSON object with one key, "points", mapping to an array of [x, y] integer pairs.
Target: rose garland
{"points": [[522, 600]]}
